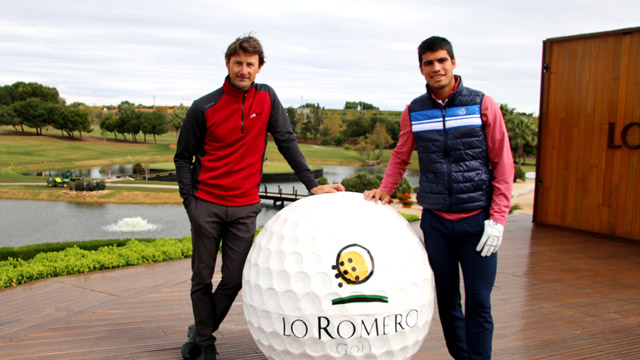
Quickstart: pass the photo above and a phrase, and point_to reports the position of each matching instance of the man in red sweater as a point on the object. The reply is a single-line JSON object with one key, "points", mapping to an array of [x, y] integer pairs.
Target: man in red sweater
{"points": [[218, 162], [466, 175]]}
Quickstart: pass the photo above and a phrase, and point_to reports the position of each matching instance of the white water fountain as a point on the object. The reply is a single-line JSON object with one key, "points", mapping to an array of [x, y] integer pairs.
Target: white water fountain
{"points": [[131, 224]]}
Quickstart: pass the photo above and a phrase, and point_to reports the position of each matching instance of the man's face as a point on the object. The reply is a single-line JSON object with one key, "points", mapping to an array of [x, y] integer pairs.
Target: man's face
{"points": [[243, 69], [437, 68]]}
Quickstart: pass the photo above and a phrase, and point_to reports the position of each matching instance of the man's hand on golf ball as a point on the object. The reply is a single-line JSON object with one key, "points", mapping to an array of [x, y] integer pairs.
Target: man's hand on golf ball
{"points": [[329, 188], [377, 195], [491, 238]]}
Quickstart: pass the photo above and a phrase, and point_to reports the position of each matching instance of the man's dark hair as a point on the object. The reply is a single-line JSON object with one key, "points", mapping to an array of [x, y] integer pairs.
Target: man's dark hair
{"points": [[247, 44], [433, 44]]}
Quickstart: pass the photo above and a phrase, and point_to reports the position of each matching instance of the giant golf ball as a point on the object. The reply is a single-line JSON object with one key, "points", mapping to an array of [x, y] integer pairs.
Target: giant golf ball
{"points": [[335, 276]]}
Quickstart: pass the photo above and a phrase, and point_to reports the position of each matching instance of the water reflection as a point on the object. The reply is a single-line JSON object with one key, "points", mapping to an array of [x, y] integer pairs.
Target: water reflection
{"points": [[333, 173], [26, 222], [104, 172]]}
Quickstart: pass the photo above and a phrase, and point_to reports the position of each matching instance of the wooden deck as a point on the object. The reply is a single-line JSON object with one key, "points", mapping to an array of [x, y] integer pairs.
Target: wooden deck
{"points": [[558, 295]]}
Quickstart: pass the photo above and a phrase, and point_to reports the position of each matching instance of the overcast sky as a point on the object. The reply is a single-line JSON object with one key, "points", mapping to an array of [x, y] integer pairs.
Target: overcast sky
{"points": [[326, 52]]}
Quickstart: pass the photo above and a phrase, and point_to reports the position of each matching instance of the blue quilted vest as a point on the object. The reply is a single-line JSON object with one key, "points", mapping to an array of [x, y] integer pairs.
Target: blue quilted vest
{"points": [[455, 174]]}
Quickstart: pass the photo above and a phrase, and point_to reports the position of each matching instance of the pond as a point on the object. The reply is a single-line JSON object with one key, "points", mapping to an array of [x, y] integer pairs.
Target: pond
{"points": [[333, 173], [25, 222]]}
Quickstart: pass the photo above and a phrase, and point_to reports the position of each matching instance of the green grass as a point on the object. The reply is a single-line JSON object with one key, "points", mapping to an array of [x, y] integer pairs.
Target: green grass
{"points": [[25, 154], [28, 154], [332, 155]]}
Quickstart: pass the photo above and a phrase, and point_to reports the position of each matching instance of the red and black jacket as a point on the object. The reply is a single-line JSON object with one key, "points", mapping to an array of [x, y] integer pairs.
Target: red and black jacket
{"points": [[222, 143]]}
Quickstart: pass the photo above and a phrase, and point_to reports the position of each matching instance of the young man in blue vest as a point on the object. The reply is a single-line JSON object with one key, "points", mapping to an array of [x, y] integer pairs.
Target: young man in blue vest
{"points": [[466, 175]]}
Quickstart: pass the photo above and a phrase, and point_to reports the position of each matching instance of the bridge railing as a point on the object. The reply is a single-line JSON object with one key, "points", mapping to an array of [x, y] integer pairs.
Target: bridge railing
{"points": [[279, 196]]}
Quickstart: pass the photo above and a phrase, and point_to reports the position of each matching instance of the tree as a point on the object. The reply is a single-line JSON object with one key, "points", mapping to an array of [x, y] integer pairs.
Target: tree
{"points": [[77, 120], [356, 127], [392, 127], [176, 118], [366, 106], [128, 120], [154, 123], [379, 139], [32, 112], [351, 105], [317, 119], [58, 118], [69, 119], [332, 129], [359, 105], [109, 123], [9, 117], [21, 91], [371, 146], [523, 132], [291, 114], [364, 149], [6, 95]]}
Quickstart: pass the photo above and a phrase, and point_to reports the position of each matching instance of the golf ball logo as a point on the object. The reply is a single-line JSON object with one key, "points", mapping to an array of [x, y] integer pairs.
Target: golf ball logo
{"points": [[354, 265]]}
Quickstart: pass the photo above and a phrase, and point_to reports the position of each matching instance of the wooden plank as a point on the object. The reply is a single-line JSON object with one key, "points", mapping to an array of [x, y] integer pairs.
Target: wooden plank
{"points": [[593, 81], [558, 295]]}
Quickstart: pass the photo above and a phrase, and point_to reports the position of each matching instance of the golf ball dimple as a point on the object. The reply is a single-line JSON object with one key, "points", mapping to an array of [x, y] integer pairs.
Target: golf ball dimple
{"points": [[335, 276]]}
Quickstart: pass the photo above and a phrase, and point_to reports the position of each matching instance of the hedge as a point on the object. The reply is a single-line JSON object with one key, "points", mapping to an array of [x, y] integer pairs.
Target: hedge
{"points": [[77, 261]]}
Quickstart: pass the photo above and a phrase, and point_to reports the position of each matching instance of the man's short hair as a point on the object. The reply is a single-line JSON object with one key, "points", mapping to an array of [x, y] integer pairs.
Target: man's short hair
{"points": [[247, 44], [433, 44]]}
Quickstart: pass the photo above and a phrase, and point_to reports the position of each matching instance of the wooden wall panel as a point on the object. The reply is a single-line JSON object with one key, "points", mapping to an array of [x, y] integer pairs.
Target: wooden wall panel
{"points": [[589, 82]]}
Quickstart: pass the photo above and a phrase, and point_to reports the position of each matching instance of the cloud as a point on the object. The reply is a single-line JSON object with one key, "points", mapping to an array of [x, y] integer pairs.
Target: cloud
{"points": [[326, 52]]}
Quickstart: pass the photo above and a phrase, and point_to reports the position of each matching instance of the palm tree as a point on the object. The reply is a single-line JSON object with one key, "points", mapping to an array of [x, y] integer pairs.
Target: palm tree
{"points": [[522, 132]]}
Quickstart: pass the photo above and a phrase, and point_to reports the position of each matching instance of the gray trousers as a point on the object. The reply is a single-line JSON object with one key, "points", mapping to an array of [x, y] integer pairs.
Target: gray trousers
{"points": [[235, 226]]}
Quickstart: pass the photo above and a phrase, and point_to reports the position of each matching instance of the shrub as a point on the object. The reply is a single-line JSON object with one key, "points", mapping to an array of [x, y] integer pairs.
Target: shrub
{"points": [[323, 181], [411, 217], [79, 185], [348, 147], [101, 185], [90, 186], [138, 169], [27, 252], [403, 187], [518, 174], [360, 182], [75, 260], [515, 207]]}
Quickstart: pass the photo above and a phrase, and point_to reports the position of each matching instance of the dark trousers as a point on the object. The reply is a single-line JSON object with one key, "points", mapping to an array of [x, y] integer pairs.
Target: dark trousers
{"points": [[210, 224], [451, 245]]}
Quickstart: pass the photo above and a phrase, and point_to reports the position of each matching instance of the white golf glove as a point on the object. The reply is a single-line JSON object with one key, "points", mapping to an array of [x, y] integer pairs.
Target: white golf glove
{"points": [[491, 238]]}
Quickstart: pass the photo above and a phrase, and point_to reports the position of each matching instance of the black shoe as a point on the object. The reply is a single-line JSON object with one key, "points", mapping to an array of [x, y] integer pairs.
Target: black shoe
{"points": [[208, 352], [189, 350]]}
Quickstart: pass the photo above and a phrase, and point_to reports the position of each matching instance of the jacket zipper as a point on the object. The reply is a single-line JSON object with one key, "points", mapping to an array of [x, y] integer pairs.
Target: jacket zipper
{"points": [[244, 96], [445, 150]]}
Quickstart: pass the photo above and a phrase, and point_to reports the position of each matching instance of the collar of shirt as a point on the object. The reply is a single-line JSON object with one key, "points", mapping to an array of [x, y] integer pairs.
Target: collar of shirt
{"points": [[455, 88]]}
